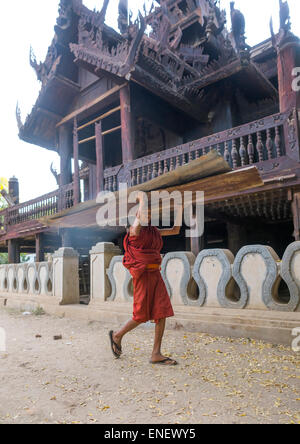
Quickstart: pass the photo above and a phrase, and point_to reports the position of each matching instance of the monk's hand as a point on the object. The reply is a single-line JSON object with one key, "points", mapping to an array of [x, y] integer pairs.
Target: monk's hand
{"points": [[142, 214]]}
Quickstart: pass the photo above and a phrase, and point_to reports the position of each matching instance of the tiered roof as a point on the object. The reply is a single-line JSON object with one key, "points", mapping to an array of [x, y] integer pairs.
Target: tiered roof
{"points": [[185, 56]]}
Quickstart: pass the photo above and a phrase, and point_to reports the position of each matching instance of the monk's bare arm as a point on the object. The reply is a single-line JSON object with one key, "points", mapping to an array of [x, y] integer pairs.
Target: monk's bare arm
{"points": [[135, 229], [170, 231], [177, 225]]}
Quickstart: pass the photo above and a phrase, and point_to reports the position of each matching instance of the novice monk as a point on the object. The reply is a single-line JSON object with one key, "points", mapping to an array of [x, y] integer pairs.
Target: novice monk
{"points": [[151, 300]]}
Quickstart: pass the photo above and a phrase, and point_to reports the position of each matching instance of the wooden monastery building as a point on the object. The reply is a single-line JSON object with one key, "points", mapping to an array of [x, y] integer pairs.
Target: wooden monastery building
{"points": [[132, 105]]}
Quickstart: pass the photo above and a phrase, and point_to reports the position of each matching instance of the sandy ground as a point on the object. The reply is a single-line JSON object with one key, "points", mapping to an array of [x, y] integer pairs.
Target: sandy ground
{"points": [[76, 379]]}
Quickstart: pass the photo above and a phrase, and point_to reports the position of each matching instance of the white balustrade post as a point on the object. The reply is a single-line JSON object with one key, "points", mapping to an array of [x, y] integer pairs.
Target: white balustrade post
{"points": [[66, 276], [101, 256]]}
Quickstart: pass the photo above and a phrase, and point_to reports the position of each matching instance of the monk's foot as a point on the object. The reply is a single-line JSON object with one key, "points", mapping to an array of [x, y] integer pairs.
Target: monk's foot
{"points": [[162, 360], [117, 343]]}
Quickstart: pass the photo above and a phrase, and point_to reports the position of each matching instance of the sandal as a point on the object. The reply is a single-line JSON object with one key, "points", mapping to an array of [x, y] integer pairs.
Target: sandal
{"points": [[165, 362], [114, 346]]}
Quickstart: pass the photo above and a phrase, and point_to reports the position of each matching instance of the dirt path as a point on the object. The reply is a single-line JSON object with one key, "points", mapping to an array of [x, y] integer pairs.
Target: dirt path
{"points": [[76, 380]]}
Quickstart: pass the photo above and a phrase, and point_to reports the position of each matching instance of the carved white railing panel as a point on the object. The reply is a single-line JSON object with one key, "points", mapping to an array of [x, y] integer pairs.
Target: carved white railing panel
{"points": [[27, 279], [176, 271], [2, 278], [290, 273], [120, 280], [256, 272], [213, 274]]}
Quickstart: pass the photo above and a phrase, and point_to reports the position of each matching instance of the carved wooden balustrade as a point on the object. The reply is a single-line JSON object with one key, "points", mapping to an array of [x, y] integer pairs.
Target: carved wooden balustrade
{"points": [[3, 222], [246, 145], [258, 143], [35, 209]]}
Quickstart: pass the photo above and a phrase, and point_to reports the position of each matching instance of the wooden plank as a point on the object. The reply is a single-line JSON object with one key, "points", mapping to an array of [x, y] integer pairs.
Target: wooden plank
{"points": [[103, 116], [105, 133], [89, 139], [215, 188], [90, 105], [117, 128], [209, 165]]}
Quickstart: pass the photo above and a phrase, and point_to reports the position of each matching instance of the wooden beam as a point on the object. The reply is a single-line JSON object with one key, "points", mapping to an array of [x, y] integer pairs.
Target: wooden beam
{"points": [[90, 104], [105, 133], [89, 139], [117, 128], [102, 117]]}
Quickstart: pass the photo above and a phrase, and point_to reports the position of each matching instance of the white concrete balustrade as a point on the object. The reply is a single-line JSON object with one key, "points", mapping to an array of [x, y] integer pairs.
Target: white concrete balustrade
{"points": [[256, 279], [57, 281], [27, 279]]}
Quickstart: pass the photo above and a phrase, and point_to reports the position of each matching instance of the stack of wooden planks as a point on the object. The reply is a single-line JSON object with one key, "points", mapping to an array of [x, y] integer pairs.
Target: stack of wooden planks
{"points": [[209, 174]]}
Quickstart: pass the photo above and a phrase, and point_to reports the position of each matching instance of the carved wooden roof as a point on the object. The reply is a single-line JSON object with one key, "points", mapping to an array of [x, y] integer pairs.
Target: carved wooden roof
{"points": [[187, 51]]}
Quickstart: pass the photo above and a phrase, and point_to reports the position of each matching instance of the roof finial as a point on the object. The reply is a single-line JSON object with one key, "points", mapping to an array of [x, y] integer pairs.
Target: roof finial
{"points": [[123, 16]]}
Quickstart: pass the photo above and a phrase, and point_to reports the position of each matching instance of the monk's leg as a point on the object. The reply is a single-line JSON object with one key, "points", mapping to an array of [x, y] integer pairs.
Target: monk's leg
{"points": [[159, 334], [118, 336]]}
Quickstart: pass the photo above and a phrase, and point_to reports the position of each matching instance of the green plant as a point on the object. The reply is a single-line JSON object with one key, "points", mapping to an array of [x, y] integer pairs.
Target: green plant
{"points": [[39, 311], [3, 258], [3, 186]]}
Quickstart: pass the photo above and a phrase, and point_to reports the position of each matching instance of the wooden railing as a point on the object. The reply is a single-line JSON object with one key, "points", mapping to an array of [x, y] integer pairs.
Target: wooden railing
{"points": [[35, 209], [3, 221], [249, 144]]}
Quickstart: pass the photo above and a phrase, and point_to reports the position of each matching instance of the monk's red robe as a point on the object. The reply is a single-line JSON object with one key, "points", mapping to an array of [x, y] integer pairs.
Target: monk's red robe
{"points": [[151, 299]]}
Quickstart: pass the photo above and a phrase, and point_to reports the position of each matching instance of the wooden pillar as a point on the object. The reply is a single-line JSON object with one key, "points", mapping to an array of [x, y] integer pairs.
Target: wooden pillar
{"points": [[127, 122], [76, 189], [196, 243], [237, 237], [65, 152], [13, 189], [286, 62], [39, 248], [92, 182], [289, 96], [99, 157], [66, 238], [86, 187], [296, 215], [13, 251]]}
